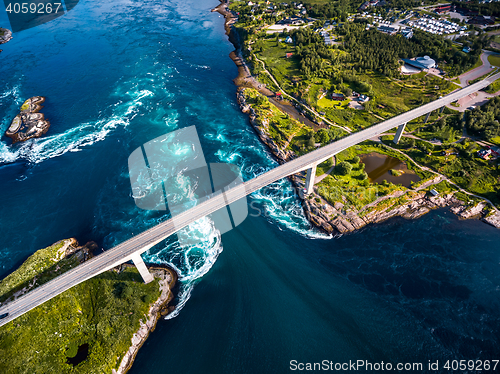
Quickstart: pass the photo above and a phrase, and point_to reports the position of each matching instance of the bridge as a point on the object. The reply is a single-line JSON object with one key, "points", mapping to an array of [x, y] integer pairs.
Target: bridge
{"points": [[132, 248]]}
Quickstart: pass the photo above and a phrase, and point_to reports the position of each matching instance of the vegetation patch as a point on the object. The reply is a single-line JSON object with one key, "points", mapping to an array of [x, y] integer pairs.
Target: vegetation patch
{"points": [[102, 313]]}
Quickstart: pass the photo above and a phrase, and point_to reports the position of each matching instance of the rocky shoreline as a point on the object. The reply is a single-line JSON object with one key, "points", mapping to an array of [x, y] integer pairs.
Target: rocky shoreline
{"points": [[29, 123], [167, 279], [317, 210]]}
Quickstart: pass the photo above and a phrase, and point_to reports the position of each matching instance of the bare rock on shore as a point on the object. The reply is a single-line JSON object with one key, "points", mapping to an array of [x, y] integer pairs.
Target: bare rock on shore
{"points": [[29, 123], [166, 279], [338, 218], [493, 220], [5, 35]]}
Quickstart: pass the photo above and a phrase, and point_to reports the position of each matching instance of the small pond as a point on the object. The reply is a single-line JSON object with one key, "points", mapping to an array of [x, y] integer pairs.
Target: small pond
{"points": [[81, 355], [379, 166]]}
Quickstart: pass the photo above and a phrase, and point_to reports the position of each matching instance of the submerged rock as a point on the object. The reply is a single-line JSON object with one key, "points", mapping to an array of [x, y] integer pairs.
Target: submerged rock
{"points": [[29, 123]]}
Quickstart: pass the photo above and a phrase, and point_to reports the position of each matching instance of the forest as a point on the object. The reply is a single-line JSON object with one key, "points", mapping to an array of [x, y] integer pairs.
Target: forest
{"points": [[373, 50], [483, 121], [377, 51], [486, 9]]}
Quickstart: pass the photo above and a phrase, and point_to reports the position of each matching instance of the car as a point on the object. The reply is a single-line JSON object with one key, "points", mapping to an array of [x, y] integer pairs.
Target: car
{"points": [[4, 315]]}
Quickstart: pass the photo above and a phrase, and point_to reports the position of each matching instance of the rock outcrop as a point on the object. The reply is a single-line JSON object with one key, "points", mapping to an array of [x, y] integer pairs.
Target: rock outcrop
{"points": [[5, 35], [493, 219], [29, 123]]}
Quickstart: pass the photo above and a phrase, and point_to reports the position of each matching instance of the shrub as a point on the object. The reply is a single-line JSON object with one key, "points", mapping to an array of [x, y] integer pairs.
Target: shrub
{"points": [[344, 168]]}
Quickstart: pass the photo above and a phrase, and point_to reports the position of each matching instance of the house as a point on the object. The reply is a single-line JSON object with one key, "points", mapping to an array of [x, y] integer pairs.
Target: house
{"points": [[466, 49], [363, 6], [434, 192], [289, 54], [328, 40], [363, 98], [443, 9], [407, 33], [481, 20], [484, 154], [387, 30], [337, 96], [421, 63], [288, 40]]}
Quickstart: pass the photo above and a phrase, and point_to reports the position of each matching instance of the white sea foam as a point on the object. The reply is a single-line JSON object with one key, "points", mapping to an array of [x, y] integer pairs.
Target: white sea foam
{"points": [[76, 138]]}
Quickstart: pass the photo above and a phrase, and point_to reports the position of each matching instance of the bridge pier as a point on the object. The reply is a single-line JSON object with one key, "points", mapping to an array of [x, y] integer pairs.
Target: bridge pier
{"points": [[399, 133], [141, 266], [442, 109], [427, 117], [310, 177]]}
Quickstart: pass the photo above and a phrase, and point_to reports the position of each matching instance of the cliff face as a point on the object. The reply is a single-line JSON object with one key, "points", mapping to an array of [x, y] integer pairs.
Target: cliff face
{"points": [[29, 123]]}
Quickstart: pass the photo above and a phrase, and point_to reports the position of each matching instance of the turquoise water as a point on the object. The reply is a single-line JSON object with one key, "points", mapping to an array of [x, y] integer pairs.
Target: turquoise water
{"points": [[117, 75]]}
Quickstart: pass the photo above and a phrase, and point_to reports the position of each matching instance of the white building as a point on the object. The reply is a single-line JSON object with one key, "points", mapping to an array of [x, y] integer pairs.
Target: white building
{"points": [[426, 61]]}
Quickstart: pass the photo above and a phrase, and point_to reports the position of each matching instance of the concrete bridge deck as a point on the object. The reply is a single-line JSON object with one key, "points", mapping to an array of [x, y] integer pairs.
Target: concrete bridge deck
{"points": [[133, 247]]}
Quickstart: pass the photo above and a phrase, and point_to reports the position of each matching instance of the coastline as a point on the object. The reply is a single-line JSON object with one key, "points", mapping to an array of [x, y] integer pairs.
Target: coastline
{"points": [[337, 219], [47, 263], [167, 279]]}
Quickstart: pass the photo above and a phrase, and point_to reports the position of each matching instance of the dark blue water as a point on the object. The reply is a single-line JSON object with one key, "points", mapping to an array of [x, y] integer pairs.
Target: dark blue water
{"points": [[119, 74]]}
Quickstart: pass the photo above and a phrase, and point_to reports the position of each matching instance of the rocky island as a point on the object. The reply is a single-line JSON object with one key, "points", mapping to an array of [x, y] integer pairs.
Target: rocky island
{"points": [[95, 327], [5, 35], [29, 123]]}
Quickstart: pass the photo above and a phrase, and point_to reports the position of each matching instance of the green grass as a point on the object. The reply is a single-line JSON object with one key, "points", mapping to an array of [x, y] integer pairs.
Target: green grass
{"points": [[280, 127], [467, 171], [494, 60], [95, 312], [41, 262], [355, 189], [324, 167], [274, 56], [494, 87], [327, 103], [495, 140]]}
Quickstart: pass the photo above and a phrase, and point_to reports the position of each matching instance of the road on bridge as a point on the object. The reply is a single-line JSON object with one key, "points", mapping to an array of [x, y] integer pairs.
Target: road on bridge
{"points": [[142, 242]]}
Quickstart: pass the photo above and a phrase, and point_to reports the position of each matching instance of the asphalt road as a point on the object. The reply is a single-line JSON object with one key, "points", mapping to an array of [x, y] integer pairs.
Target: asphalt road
{"points": [[142, 242]]}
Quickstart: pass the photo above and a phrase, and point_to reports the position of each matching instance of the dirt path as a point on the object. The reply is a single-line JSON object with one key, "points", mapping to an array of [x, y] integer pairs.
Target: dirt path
{"points": [[319, 178], [308, 108]]}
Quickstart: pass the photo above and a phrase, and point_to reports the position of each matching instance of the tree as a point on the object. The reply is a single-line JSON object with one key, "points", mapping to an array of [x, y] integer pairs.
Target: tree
{"points": [[344, 168], [262, 101], [410, 142], [322, 136], [356, 160], [310, 140]]}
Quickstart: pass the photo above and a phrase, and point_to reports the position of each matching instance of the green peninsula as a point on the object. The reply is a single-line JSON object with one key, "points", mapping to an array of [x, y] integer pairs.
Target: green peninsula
{"points": [[90, 328]]}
